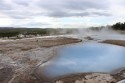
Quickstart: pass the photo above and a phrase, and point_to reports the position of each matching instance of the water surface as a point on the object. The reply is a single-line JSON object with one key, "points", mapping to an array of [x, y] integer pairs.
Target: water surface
{"points": [[80, 58], [109, 37]]}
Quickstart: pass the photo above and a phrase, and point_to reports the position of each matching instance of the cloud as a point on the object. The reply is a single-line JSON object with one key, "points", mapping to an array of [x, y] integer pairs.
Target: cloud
{"points": [[4, 5], [5, 20], [34, 25], [57, 8], [22, 2], [62, 8], [72, 4], [81, 14], [49, 12]]}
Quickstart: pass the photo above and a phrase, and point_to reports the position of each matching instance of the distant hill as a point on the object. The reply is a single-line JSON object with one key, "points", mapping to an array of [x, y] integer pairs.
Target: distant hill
{"points": [[6, 27]]}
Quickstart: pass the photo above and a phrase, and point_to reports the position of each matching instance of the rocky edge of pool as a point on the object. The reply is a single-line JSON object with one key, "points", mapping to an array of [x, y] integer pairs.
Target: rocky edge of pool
{"points": [[19, 59]]}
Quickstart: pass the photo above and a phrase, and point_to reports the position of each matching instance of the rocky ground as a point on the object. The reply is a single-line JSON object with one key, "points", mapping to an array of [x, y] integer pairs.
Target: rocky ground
{"points": [[19, 58], [93, 78], [88, 78]]}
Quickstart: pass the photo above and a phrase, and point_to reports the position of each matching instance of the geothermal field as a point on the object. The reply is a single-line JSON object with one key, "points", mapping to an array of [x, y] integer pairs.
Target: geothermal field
{"points": [[62, 41], [84, 57]]}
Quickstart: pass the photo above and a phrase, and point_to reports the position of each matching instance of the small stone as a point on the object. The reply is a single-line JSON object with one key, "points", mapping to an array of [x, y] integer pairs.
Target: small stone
{"points": [[59, 81], [79, 81]]}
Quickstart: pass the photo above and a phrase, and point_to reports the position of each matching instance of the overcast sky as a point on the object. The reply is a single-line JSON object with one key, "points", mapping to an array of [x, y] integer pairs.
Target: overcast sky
{"points": [[61, 13]]}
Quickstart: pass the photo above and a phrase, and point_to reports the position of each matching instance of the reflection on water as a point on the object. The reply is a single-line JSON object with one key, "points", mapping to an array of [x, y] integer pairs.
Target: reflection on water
{"points": [[89, 57]]}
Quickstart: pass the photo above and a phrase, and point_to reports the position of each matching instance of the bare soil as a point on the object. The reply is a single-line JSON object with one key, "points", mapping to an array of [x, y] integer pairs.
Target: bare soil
{"points": [[28, 44], [19, 58], [115, 42]]}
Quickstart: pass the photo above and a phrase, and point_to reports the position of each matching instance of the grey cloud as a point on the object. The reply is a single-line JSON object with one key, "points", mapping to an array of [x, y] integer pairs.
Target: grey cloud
{"points": [[73, 4], [14, 10], [66, 14], [17, 15], [38, 24], [55, 8], [21, 14], [83, 4], [4, 5], [35, 24], [101, 14], [61, 8], [22, 2], [122, 2], [31, 23], [82, 14]]}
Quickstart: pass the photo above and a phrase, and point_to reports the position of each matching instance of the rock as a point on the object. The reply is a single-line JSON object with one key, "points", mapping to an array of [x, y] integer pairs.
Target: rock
{"points": [[5, 75], [59, 81], [79, 81], [99, 78], [89, 38], [122, 81], [123, 74], [92, 81]]}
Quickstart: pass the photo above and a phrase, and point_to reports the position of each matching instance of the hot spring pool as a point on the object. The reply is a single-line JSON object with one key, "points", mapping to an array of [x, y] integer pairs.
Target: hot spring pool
{"points": [[80, 58]]}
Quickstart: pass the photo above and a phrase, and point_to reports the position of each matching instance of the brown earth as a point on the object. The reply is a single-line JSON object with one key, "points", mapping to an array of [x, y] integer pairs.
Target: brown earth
{"points": [[28, 44], [115, 42]]}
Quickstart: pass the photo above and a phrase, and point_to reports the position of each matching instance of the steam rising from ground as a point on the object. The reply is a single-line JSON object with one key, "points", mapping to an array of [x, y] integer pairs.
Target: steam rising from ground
{"points": [[92, 31], [97, 33]]}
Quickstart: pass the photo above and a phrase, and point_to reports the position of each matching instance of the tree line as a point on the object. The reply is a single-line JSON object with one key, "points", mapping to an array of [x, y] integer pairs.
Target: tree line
{"points": [[119, 26], [10, 32], [26, 32], [15, 32], [116, 26]]}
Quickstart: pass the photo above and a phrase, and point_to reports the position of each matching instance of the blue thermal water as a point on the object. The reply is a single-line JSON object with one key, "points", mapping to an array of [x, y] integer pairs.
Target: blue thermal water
{"points": [[86, 57]]}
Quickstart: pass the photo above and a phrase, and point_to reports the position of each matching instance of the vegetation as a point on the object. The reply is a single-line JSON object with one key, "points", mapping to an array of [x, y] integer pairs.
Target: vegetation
{"points": [[11, 32], [15, 32], [116, 26], [119, 26], [31, 32]]}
